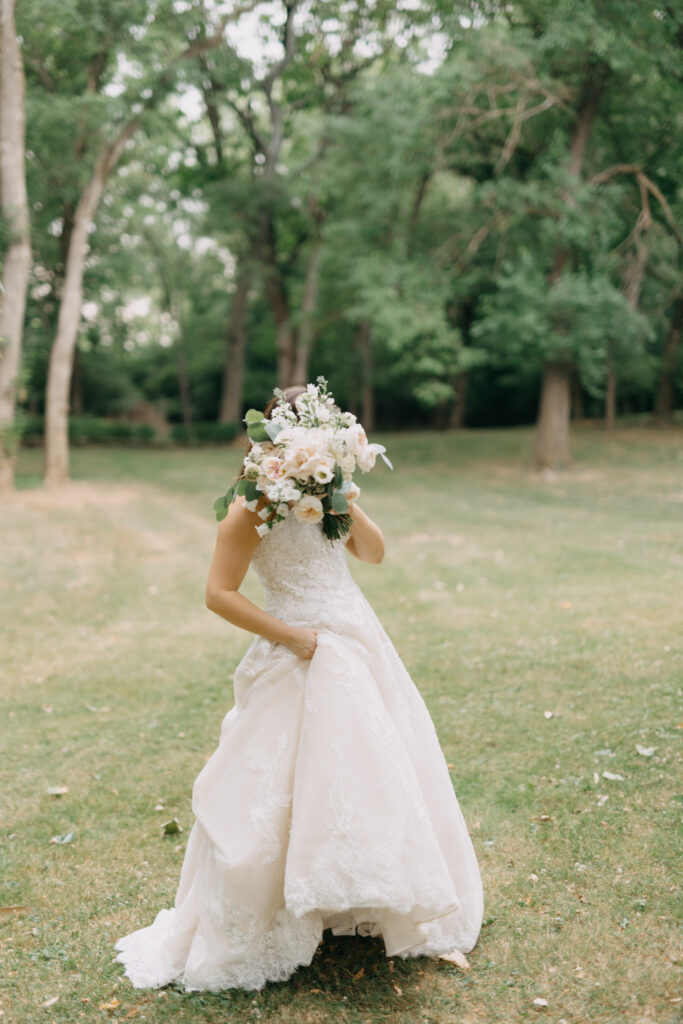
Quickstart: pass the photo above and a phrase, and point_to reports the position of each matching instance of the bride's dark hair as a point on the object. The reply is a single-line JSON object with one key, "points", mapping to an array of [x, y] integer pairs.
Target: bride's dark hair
{"points": [[291, 394]]}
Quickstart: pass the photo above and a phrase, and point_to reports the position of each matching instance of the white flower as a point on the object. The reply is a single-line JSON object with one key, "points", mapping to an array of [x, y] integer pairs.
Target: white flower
{"points": [[251, 505], [351, 491], [348, 463], [309, 509], [264, 512], [356, 439], [283, 509], [366, 458], [322, 474], [323, 414], [271, 467], [262, 530]]}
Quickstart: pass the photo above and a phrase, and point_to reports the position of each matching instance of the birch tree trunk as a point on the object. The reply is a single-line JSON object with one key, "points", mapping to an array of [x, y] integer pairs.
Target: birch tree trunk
{"points": [[17, 262], [56, 468]]}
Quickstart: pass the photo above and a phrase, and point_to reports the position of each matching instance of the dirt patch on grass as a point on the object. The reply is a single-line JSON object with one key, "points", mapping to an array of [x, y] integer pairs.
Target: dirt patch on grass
{"points": [[76, 494]]}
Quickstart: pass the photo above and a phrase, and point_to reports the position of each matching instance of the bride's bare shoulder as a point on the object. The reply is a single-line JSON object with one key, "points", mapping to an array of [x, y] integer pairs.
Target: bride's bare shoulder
{"points": [[240, 520]]}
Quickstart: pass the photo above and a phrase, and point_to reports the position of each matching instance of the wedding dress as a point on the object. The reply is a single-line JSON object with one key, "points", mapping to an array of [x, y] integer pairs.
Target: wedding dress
{"points": [[328, 803]]}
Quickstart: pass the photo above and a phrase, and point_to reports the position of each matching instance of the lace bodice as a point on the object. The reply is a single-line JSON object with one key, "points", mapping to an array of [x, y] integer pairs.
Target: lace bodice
{"points": [[306, 577]]}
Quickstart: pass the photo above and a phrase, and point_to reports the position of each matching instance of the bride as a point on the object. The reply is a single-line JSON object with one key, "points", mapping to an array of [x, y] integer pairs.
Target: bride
{"points": [[328, 802]]}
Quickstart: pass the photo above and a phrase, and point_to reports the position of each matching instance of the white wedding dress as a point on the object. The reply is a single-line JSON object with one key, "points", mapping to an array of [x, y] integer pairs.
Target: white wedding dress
{"points": [[328, 803]]}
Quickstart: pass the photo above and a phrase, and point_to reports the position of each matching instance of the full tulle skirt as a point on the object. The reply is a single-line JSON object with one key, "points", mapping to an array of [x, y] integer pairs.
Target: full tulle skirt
{"points": [[327, 804]]}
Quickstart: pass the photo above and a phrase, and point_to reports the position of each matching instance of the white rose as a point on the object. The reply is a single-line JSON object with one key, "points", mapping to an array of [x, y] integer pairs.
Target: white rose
{"points": [[366, 458], [356, 439], [309, 509]]}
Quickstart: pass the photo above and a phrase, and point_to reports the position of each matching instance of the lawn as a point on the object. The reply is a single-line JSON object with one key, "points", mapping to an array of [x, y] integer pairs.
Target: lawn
{"points": [[540, 617]]}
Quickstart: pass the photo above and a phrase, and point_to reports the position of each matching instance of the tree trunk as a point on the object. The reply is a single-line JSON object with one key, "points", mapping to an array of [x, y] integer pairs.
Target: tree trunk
{"points": [[611, 392], [56, 469], [17, 262], [552, 426], [235, 350], [364, 341], [77, 384], [577, 398], [552, 433], [664, 406], [457, 420], [184, 384], [304, 340]]}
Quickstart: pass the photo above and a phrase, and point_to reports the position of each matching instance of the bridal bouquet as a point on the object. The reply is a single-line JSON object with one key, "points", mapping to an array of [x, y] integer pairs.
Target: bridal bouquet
{"points": [[302, 462]]}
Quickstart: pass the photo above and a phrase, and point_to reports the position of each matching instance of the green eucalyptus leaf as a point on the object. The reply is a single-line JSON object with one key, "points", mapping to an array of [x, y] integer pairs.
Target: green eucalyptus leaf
{"points": [[339, 502], [257, 432], [251, 491], [273, 429], [253, 416]]}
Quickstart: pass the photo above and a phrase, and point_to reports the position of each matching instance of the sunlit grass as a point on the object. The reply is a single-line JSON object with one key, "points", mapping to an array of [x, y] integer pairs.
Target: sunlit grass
{"points": [[540, 618]]}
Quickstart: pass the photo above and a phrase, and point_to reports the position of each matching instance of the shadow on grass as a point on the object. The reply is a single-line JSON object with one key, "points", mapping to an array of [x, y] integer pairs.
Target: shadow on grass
{"points": [[349, 970]]}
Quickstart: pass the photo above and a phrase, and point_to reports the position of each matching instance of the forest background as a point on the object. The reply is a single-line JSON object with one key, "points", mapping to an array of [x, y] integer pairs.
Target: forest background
{"points": [[460, 213]]}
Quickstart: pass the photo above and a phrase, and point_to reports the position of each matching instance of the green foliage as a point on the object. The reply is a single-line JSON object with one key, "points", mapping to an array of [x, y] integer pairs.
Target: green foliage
{"points": [[439, 188], [209, 432], [85, 430]]}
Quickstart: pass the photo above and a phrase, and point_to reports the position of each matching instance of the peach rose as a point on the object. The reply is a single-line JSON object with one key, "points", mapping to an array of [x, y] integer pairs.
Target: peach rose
{"points": [[309, 509]]}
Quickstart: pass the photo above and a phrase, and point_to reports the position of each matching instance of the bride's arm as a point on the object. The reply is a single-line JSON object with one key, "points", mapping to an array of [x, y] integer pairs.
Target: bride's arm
{"points": [[366, 541], [235, 544]]}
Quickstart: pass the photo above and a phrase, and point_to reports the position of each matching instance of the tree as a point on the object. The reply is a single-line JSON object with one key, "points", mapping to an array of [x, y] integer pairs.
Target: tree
{"points": [[111, 26], [17, 257]]}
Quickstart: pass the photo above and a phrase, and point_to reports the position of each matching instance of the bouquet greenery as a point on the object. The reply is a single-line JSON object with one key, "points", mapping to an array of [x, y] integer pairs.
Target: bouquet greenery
{"points": [[302, 461]]}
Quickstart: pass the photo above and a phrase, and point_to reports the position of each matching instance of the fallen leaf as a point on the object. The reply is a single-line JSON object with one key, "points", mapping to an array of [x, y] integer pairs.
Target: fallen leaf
{"points": [[63, 840], [614, 776], [11, 910], [51, 1002], [315, 990], [57, 790], [540, 1004], [359, 974], [111, 1005], [172, 827], [548, 714], [398, 990], [457, 958], [645, 751]]}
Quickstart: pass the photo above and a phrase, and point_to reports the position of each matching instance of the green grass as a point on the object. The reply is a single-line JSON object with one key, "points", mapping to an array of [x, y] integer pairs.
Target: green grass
{"points": [[509, 595]]}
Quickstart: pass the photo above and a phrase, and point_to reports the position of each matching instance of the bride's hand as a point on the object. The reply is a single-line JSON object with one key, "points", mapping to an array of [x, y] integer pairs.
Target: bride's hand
{"points": [[302, 642]]}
